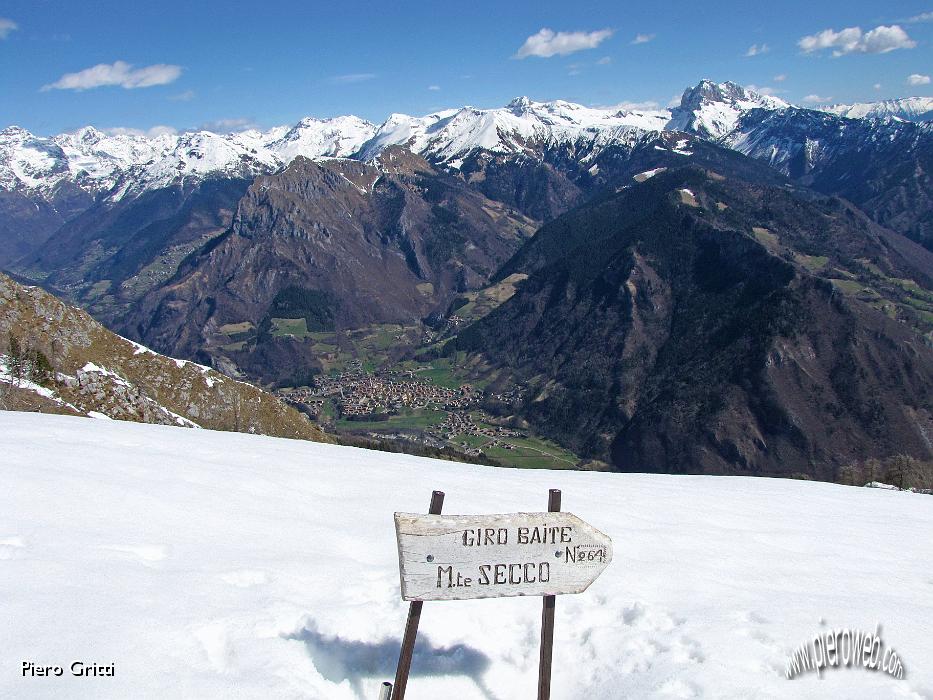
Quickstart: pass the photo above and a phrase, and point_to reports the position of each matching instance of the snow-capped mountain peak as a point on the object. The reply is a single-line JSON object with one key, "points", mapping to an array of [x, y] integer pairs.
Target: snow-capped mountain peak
{"points": [[27, 162], [713, 109], [517, 127], [518, 105], [911, 109], [123, 162], [707, 91], [117, 163], [336, 137]]}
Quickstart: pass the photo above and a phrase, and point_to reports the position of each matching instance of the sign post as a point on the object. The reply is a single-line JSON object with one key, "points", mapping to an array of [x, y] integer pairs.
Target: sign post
{"points": [[468, 557], [547, 622], [411, 627]]}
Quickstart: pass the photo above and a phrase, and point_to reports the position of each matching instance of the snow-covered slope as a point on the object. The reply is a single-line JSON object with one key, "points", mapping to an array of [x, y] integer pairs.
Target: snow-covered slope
{"points": [[129, 163], [799, 141], [712, 110], [319, 138], [126, 163], [520, 126], [88, 157], [912, 109], [219, 565]]}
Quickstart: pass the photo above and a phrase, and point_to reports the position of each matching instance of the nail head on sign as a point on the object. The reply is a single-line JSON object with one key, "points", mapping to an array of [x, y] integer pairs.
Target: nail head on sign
{"points": [[430, 557]]}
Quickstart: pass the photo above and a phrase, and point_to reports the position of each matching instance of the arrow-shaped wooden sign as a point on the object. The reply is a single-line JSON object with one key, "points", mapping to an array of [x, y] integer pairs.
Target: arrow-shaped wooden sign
{"points": [[462, 557]]}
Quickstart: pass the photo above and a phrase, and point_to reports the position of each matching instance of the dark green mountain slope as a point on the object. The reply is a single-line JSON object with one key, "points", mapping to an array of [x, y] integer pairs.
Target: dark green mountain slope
{"points": [[693, 323]]}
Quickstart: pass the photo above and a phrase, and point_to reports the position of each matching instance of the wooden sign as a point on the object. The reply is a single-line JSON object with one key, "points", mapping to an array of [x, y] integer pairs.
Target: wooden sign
{"points": [[463, 557]]}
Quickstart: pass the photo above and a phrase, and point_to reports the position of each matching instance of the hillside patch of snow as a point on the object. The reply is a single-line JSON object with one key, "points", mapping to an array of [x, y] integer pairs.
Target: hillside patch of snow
{"points": [[98, 415], [648, 174], [139, 349], [24, 384], [91, 367]]}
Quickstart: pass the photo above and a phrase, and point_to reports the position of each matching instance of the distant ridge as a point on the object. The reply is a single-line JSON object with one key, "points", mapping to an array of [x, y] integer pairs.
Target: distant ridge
{"points": [[122, 164], [911, 109]]}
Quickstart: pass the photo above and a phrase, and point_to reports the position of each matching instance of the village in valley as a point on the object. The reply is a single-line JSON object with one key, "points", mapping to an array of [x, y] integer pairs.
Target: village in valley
{"points": [[406, 404], [359, 393], [392, 382]]}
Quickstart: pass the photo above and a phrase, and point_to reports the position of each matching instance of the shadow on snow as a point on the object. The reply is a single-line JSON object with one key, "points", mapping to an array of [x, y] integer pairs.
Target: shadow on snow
{"points": [[338, 659]]}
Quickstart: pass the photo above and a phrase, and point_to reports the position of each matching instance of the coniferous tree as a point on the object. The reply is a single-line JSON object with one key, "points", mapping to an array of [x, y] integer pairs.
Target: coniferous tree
{"points": [[15, 360]]}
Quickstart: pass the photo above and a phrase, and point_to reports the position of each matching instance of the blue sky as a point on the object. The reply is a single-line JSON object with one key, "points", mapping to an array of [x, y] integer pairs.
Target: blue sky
{"points": [[222, 64]]}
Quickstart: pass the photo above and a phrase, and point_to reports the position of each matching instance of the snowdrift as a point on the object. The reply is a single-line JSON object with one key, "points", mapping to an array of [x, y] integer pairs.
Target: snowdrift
{"points": [[204, 564]]}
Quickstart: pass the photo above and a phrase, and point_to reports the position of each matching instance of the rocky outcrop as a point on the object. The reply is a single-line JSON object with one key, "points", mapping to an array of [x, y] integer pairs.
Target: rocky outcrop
{"points": [[87, 370]]}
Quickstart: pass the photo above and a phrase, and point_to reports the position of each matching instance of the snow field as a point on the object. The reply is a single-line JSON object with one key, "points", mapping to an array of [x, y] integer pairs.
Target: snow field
{"points": [[221, 565]]}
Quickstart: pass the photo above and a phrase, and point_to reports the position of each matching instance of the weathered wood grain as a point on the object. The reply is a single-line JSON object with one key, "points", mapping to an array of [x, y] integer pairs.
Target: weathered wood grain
{"points": [[463, 557]]}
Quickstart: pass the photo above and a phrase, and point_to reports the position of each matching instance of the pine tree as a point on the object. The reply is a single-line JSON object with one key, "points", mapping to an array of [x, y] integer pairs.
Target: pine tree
{"points": [[16, 361], [40, 369]]}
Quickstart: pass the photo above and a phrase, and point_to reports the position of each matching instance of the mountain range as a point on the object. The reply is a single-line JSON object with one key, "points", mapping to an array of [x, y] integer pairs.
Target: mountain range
{"points": [[122, 162], [665, 290], [911, 109], [62, 175]]}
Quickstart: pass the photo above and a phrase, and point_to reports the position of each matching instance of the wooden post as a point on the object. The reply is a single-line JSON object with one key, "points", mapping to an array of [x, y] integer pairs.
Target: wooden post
{"points": [[414, 617], [385, 692], [547, 622]]}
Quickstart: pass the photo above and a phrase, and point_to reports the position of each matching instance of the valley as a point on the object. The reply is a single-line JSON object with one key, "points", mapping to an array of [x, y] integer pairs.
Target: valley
{"points": [[372, 384], [703, 288]]}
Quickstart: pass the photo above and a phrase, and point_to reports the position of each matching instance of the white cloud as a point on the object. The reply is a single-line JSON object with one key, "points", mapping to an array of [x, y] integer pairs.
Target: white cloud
{"points": [[604, 61], [647, 106], [815, 99], [757, 49], [780, 78], [877, 86], [881, 39], [643, 38], [220, 126], [434, 87], [547, 43], [7, 26], [352, 78], [227, 126], [117, 73], [764, 90], [917, 79], [922, 17], [155, 131], [847, 40], [185, 96]]}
